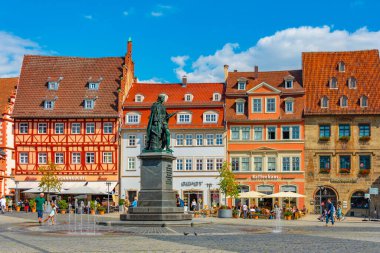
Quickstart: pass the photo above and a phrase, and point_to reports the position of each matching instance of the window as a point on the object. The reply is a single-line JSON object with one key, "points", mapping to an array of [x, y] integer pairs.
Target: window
{"points": [[48, 104], [258, 163], [345, 163], [179, 164], [42, 128], [324, 131], [245, 133], [59, 128], [324, 163], [179, 139], [285, 133], [90, 128], [344, 130], [108, 127], [23, 128], [42, 158], [333, 83], [189, 139], [199, 138], [364, 162], [184, 118], [210, 139], [188, 97], [219, 163], [324, 102], [288, 84], [210, 164], [241, 85], [245, 164], [341, 66], [188, 164], [257, 105], [271, 163], [235, 164], [199, 164], [235, 133], [352, 83], [359, 201], [211, 118], [76, 158], [271, 105], [133, 118], [131, 140], [257, 133], [239, 107], [271, 133], [295, 163], [363, 101], [216, 97], [343, 101], [93, 86], [90, 157], [89, 104], [289, 106], [59, 158], [295, 132], [131, 163], [75, 128], [286, 164], [53, 85], [364, 130], [107, 157], [24, 158], [219, 139], [139, 98]]}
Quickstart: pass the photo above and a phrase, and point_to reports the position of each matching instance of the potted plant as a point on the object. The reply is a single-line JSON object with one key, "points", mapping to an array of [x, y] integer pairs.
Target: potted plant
{"points": [[235, 213], [62, 204], [256, 216], [344, 138], [344, 171], [196, 214], [92, 207], [288, 215], [324, 138], [32, 204], [364, 138], [224, 212], [101, 209], [364, 172], [18, 207], [229, 187], [324, 171]]}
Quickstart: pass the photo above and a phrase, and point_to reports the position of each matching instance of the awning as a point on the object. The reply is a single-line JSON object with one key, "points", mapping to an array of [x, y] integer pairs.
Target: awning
{"points": [[22, 185], [83, 190], [102, 186], [39, 190], [69, 185]]}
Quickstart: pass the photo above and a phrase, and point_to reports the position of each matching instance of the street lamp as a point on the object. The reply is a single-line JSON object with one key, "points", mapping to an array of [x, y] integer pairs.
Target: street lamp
{"points": [[209, 185], [108, 196], [321, 188]]}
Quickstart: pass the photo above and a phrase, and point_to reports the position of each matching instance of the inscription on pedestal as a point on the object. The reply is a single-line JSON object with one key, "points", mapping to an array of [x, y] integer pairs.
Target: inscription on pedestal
{"points": [[169, 174]]}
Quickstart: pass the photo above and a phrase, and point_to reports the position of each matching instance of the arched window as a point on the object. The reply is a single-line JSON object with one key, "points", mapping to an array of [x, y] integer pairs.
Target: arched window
{"points": [[363, 101], [352, 83], [358, 200], [343, 101], [333, 83], [341, 66], [324, 102]]}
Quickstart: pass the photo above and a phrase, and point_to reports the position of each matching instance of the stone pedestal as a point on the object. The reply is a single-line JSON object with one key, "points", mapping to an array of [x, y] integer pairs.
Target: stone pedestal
{"points": [[156, 200]]}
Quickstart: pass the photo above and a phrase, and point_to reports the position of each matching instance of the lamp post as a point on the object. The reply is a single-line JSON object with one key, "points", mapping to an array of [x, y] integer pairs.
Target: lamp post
{"points": [[16, 197], [209, 185], [321, 188], [108, 196]]}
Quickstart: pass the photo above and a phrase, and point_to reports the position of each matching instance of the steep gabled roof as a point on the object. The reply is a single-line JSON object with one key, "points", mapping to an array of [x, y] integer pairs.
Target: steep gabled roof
{"points": [[7, 88]]}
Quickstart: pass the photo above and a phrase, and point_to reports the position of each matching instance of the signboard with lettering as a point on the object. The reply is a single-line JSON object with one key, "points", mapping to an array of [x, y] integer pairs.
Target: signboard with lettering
{"points": [[344, 180], [374, 191], [192, 183]]}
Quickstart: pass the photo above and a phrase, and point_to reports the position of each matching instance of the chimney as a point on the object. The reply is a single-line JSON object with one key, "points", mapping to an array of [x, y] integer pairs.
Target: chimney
{"points": [[225, 72], [256, 75], [184, 81]]}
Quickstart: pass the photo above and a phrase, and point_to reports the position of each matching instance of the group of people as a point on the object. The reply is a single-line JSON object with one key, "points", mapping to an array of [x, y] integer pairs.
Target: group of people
{"points": [[331, 213]]}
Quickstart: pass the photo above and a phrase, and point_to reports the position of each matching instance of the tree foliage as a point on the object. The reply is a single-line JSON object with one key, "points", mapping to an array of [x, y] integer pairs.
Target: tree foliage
{"points": [[49, 181], [227, 182]]}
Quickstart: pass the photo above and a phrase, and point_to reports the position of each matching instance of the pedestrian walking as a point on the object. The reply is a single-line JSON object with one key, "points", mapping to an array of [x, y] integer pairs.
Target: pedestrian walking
{"points": [[52, 214], [26, 206], [245, 210], [339, 214], [40, 207], [3, 204], [330, 212]]}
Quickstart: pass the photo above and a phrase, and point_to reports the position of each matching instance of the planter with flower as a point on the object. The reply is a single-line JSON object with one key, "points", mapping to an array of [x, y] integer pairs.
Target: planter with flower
{"points": [[344, 138], [196, 214], [224, 212], [235, 213], [364, 138], [62, 204], [18, 207], [324, 170], [344, 171], [101, 209], [92, 207], [324, 138], [364, 172], [229, 187], [288, 215], [32, 204]]}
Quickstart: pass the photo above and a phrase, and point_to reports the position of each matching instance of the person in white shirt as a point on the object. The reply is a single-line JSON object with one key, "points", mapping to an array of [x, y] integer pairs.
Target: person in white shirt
{"points": [[3, 203], [245, 210]]}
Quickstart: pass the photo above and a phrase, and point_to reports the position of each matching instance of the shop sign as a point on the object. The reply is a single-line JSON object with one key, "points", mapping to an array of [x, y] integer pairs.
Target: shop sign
{"points": [[72, 178], [265, 177], [374, 191], [192, 183], [30, 179], [102, 178], [343, 180]]}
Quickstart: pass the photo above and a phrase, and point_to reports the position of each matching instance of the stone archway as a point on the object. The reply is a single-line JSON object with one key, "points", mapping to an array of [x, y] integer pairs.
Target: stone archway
{"points": [[322, 196]]}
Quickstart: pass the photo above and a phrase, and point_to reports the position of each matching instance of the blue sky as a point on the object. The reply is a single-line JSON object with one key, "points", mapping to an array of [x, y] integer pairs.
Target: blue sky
{"points": [[173, 38]]}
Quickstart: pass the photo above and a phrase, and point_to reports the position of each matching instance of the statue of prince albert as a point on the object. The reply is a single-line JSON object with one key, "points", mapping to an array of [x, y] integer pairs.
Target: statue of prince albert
{"points": [[158, 134]]}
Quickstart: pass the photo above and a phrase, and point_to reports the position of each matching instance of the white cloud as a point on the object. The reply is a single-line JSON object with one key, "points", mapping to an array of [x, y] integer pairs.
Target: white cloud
{"points": [[160, 9], [89, 17], [152, 80], [156, 13], [12, 51], [281, 50]]}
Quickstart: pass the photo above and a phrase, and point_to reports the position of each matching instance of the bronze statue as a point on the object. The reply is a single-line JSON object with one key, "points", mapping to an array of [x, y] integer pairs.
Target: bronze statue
{"points": [[158, 134]]}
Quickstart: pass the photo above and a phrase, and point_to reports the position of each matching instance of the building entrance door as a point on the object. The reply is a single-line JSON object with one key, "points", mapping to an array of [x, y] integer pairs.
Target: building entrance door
{"points": [[321, 196], [189, 196]]}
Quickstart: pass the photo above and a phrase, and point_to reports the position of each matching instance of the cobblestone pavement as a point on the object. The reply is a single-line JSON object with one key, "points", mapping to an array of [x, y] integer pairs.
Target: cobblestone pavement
{"points": [[19, 232]]}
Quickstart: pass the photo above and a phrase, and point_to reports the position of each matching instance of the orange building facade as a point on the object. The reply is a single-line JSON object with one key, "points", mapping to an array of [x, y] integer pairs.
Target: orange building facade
{"points": [[265, 133]]}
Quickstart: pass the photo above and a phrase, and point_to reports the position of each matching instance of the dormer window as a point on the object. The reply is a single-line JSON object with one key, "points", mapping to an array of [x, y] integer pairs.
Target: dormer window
{"points": [[242, 83], [240, 106], [188, 97], [183, 118], [289, 105], [289, 82], [89, 103], [341, 66], [343, 101], [333, 83], [324, 102], [216, 97], [48, 104], [132, 118], [139, 98], [363, 101], [352, 83], [210, 117], [53, 85], [93, 85]]}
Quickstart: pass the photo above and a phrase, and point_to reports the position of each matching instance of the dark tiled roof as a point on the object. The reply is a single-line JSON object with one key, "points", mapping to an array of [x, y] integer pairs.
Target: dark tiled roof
{"points": [[73, 88], [320, 67], [7, 88]]}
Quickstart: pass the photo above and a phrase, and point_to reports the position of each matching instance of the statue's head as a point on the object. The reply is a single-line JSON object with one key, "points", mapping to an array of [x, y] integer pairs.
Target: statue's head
{"points": [[161, 98]]}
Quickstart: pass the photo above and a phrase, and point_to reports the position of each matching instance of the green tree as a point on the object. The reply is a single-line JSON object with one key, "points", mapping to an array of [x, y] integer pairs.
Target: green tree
{"points": [[49, 180], [227, 182]]}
